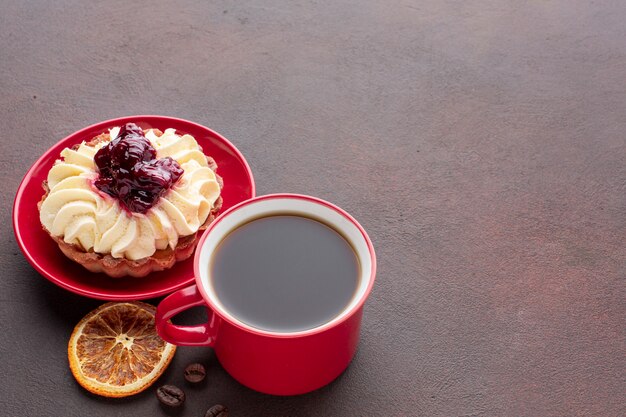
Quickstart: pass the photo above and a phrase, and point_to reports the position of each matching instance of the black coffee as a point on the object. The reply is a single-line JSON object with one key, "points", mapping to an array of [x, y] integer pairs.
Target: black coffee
{"points": [[284, 273]]}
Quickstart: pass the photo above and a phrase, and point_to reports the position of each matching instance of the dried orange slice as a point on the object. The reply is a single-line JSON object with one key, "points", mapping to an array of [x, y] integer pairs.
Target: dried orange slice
{"points": [[115, 351]]}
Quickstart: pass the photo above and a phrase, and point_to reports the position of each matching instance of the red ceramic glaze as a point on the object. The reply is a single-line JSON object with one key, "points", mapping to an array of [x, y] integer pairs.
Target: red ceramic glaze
{"points": [[45, 256], [269, 362]]}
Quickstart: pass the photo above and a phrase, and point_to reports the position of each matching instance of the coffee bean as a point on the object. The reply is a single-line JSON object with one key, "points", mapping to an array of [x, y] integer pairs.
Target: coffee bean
{"points": [[170, 395], [217, 410], [195, 373]]}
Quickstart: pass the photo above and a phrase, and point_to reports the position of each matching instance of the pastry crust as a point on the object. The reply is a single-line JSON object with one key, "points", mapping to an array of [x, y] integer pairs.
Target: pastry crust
{"points": [[120, 267]]}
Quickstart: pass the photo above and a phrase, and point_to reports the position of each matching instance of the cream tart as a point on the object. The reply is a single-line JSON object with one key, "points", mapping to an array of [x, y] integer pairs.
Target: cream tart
{"points": [[129, 202]]}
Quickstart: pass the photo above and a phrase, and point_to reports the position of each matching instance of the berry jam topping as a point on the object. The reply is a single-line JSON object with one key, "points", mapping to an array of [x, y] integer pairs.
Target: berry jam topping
{"points": [[129, 171]]}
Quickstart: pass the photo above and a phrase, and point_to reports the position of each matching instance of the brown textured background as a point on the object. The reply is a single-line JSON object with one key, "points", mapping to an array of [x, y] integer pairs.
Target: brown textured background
{"points": [[481, 143]]}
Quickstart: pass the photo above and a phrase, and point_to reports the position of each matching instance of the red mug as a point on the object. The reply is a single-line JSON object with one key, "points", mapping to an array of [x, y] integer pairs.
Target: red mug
{"points": [[271, 362]]}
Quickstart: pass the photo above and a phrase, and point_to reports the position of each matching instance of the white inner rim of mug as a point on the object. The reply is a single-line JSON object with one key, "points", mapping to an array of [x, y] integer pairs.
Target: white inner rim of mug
{"points": [[292, 206]]}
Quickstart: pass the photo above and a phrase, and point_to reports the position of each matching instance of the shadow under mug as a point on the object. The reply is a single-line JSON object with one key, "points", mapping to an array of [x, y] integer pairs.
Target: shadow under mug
{"points": [[272, 362]]}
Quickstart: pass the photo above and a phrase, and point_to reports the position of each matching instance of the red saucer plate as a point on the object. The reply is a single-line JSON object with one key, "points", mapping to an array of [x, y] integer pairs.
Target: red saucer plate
{"points": [[46, 257]]}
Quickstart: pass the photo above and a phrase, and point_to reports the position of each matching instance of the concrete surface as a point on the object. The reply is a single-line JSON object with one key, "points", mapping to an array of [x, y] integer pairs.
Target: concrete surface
{"points": [[482, 144]]}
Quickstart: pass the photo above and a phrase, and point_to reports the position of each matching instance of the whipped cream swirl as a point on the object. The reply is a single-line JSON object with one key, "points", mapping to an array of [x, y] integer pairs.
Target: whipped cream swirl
{"points": [[77, 212]]}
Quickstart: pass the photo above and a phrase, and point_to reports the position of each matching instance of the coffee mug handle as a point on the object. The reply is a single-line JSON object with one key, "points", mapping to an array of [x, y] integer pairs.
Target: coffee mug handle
{"points": [[197, 335]]}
